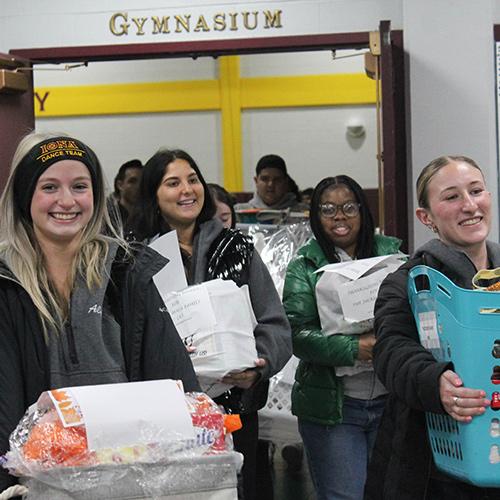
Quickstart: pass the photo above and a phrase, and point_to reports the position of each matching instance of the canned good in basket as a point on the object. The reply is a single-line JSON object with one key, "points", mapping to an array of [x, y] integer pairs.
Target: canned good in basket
{"points": [[461, 326]]}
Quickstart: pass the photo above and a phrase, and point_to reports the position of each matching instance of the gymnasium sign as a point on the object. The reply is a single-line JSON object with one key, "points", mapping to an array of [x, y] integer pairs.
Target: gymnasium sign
{"points": [[124, 24]]}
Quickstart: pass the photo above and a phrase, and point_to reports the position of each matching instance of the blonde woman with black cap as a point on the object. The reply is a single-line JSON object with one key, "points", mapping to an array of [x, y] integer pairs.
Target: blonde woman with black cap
{"points": [[78, 307]]}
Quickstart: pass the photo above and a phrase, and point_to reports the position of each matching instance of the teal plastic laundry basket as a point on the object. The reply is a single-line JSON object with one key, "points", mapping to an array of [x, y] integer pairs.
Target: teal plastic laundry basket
{"points": [[462, 326]]}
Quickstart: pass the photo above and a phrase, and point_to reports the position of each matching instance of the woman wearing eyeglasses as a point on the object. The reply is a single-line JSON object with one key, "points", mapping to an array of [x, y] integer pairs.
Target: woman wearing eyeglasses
{"points": [[338, 416]]}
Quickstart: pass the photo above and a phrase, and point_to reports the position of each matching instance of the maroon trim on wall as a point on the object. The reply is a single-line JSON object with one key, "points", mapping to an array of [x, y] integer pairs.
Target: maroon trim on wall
{"points": [[17, 118], [396, 191], [496, 32], [193, 49], [372, 199]]}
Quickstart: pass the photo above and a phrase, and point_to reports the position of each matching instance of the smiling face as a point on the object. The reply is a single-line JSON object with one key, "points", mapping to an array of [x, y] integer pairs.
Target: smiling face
{"points": [[341, 230], [180, 195], [459, 206], [62, 203]]}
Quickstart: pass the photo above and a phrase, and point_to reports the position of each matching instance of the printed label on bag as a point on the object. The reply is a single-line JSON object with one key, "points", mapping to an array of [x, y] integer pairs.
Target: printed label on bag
{"points": [[205, 345], [428, 330], [357, 298], [67, 407], [191, 310]]}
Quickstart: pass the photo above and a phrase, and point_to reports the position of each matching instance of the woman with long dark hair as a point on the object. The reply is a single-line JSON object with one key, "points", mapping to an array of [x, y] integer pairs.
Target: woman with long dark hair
{"points": [[338, 416], [175, 196]]}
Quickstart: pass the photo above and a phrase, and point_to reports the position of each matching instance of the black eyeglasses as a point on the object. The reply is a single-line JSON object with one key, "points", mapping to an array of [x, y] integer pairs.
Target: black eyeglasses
{"points": [[349, 209]]}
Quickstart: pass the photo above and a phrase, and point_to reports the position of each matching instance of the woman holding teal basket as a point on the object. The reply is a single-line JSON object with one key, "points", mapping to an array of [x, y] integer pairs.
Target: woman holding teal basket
{"points": [[454, 204]]}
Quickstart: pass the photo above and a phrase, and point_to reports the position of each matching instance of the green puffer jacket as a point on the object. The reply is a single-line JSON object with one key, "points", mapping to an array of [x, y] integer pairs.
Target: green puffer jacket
{"points": [[317, 394]]}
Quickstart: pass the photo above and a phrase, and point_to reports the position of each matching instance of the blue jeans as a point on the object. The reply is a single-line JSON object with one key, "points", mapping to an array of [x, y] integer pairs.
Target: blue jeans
{"points": [[338, 455]]}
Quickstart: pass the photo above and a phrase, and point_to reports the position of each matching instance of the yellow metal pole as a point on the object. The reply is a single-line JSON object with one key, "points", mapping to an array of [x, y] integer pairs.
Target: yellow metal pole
{"points": [[230, 98]]}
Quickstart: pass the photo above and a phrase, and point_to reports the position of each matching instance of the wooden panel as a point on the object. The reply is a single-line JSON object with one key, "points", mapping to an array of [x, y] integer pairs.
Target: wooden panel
{"points": [[496, 32], [17, 118], [397, 191]]}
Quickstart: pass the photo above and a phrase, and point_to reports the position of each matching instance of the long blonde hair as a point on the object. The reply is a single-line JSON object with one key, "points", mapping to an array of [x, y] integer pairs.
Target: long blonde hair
{"points": [[22, 254]]}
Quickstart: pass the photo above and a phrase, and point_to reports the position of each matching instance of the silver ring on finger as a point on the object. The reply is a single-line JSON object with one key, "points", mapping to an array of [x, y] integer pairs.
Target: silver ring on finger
{"points": [[455, 400]]}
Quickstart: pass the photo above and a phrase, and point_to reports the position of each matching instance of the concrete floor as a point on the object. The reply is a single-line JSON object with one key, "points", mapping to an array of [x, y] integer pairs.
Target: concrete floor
{"points": [[287, 485], [292, 486]]}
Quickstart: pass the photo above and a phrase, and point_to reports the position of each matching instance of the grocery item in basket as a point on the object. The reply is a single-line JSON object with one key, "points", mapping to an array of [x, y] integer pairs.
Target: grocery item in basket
{"points": [[487, 279], [460, 325], [495, 401], [45, 439]]}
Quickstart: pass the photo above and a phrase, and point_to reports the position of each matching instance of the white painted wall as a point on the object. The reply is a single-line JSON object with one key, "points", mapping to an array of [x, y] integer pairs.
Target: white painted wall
{"points": [[313, 141], [157, 70], [117, 139], [304, 63], [452, 86], [450, 53]]}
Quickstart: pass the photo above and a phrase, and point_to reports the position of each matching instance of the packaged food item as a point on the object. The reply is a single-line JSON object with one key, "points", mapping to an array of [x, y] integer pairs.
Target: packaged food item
{"points": [[54, 434], [487, 280]]}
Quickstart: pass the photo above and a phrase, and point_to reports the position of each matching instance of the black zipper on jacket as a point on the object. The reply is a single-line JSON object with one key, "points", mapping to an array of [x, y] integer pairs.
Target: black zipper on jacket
{"points": [[73, 355], [429, 471]]}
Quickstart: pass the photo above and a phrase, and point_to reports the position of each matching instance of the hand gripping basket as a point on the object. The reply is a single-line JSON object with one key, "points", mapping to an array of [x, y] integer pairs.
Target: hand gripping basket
{"points": [[462, 326]]}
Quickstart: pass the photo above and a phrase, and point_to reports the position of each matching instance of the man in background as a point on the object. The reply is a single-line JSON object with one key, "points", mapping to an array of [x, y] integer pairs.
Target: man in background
{"points": [[126, 185], [273, 186]]}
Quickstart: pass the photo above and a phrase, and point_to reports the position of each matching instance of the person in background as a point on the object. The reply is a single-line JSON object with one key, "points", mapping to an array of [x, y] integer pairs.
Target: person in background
{"points": [[272, 186], [78, 306], [454, 203], [338, 416], [126, 186], [294, 188], [175, 196], [306, 195], [224, 204]]}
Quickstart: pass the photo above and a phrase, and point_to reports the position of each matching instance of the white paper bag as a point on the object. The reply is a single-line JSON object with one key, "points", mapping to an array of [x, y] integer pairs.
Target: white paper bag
{"points": [[345, 296], [217, 319]]}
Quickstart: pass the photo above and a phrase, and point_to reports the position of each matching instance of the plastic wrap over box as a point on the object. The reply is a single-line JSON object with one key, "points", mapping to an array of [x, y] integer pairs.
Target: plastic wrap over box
{"points": [[211, 477]]}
